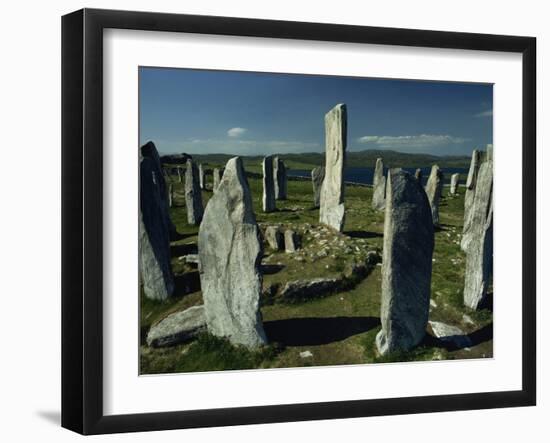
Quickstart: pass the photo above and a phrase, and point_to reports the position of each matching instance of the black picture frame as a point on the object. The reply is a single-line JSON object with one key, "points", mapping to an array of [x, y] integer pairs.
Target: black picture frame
{"points": [[82, 218]]}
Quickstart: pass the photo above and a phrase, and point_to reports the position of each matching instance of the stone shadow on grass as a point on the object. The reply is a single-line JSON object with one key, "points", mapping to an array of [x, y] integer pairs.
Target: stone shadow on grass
{"points": [[187, 283], [271, 269], [363, 234], [317, 330]]}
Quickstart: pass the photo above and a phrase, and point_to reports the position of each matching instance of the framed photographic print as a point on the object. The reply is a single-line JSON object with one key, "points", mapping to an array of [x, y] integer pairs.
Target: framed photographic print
{"points": [[269, 221]]}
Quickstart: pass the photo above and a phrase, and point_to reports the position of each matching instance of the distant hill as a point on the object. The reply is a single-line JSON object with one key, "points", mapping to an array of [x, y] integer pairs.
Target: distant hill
{"points": [[365, 158]]}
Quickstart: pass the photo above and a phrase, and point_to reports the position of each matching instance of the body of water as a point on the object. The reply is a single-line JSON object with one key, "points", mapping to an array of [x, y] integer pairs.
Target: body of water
{"points": [[365, 175]]}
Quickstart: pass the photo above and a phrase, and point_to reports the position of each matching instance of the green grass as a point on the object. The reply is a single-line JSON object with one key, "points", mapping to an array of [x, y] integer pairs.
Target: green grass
{"points": [[338, 328]]}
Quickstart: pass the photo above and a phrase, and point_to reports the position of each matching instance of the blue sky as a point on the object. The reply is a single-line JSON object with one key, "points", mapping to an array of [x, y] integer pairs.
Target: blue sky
{"points": [[197, 111]]}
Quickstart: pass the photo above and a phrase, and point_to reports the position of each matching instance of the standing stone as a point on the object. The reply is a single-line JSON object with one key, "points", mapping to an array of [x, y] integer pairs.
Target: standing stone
{"points": [[154, 236], [178, 172], [317, 177], [469, 198], [149, 150], [170, 195], [489, 153], [418, 175], [193, 196], [433, 191], [406, 264], [274, 238], [291, 241], [268, 197], [217, 178], [454, 184], [279, 178], [230, 254], [379, 186], [479, 251], [202, 181], [332, 212]]}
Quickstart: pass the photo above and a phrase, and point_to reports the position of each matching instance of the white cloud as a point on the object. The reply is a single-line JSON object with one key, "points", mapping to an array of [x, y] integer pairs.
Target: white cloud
{"points": [[236, 132], [426, 141], [488, 113]]}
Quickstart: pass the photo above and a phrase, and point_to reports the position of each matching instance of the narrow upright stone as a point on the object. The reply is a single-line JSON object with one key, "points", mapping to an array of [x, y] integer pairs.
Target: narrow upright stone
{"points": [[217, 178], [479, 250], [279, 178], [317, 177], [202, 178], [193, 196], [489, 153], [332, 211], [149, 150], [379, 186], [230, 254], [406, 264], [469, 198], [433, 191], [268, 197], [291, 241], [274, 238], [418, 175], [170, 195], [454, 184], [154, 236], [178, 172]]}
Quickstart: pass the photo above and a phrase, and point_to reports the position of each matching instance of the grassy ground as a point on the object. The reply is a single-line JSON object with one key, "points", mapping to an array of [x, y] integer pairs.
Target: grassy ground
{"points": [[339, 328]]}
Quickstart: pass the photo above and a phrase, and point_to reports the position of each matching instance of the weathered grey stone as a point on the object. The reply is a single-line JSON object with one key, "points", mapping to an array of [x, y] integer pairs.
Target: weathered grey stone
{"points": [[454, 184], [303, 289], [379, 186], [149, 150], [170, 194], [418, 175], [433, 191], [178, 327], [217, 178], [332, 210], [489, 153], [274, 238], [291, 241], [154, 235], [202, 178], [268, 196], [469, 198], [178, 173], [230, 253], [317, 177], [193, 196], [479, 250], [192, 258], [406, 264], [279, 178], [450, 334]]}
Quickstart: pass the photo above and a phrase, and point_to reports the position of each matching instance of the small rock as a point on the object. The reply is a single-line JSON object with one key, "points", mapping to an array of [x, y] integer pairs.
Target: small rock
{"points": [[306, 354], [450, 334]]}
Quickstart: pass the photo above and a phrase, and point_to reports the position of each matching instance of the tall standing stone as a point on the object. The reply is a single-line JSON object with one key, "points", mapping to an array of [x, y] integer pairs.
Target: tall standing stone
{"points": [[154, 235], [479, 250], [178, 172], [193, 196], [469, 198], [489, 153], [406, 264], [149, 150], [202, 181], [217, 178], [454, 184], [332, 212], [434, 188], [279, 178], [230, 253], [268, 197], [317, 178], [379, 186], [170, 195], [418, 175]]}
